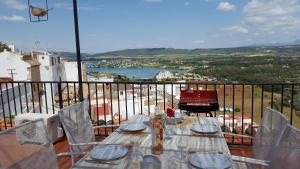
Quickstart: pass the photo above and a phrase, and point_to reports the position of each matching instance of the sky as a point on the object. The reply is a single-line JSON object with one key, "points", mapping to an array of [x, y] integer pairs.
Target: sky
{"points": [[107, 25]]}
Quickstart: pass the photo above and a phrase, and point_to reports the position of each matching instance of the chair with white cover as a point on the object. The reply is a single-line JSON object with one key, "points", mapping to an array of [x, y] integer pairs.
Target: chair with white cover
{"points": [[78, 127], [27, 146], [269, 132], [286, 153]]}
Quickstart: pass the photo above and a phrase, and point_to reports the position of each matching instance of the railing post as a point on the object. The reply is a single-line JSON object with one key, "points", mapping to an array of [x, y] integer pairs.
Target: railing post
{"points": [[60, 98], [76, 27]]}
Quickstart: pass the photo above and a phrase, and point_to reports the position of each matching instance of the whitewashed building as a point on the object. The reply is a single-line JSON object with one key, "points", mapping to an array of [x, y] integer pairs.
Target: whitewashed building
{"points": [[164, 75], [11, 60]]}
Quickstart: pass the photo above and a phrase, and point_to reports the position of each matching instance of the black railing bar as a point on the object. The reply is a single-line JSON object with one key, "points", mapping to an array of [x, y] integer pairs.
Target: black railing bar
{"points": [[52, 97], [14, 98], [164, 89], [60, 97], [97, 107], [243, 109], [215, 89], [141, 97], [3, 109], [8, 101], [292, 104], [26, 97], [252, 110], [240, 144], [75, 93], [281, 102], [126, 108], [104, 106], [155, 94], [20, 98], [89, 97], [119, 109], [148, 92], [173, 96], [31, 85], [39, 97], [233, 111], [111, 104], [262, 101], [133, 103], [272, 96], [224, 106], [46, 101], [68, 94]]}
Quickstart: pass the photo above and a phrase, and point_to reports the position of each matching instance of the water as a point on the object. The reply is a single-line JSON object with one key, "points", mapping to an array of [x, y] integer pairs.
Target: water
{"points": [[137, 73]]}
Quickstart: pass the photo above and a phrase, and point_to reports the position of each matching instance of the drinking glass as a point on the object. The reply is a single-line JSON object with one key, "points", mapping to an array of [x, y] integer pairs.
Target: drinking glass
{"points": [[135, 156], [182, 144], [168, 132]]}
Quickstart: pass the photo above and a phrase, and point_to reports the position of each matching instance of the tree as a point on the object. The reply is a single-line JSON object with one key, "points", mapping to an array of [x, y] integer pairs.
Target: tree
{"points": [[3, 47], [237, 109]]}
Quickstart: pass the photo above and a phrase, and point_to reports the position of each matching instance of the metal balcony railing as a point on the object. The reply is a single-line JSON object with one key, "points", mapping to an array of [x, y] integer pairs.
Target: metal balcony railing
{"points": [[241, 104]]}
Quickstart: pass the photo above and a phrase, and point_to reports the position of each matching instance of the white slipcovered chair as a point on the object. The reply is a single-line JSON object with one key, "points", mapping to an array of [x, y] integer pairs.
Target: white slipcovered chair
{"points": [[27, 146], [286, 153], [78, 127], [270, 130]]}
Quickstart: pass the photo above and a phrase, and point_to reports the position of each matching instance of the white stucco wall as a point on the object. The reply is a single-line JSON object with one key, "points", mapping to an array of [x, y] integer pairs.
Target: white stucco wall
{"points": [[10, 60], [71, 71], [51, 73]]}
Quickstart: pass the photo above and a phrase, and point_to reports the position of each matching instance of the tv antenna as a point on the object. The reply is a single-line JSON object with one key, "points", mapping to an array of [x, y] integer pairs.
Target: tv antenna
{"points": [[12, 73], [37, 44]]}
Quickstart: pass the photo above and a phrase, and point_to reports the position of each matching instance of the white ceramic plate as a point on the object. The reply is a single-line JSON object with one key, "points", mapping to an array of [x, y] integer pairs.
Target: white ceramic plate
{"points": [[150, 162], [133, 127], [108, 152], [205, 128], [211, 160]]}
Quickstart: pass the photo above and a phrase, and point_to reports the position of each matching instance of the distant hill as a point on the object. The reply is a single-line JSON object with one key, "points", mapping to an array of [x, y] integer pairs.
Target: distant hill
{"points": [[145, 51], [166, 51], [156, 52], [71, 55]]}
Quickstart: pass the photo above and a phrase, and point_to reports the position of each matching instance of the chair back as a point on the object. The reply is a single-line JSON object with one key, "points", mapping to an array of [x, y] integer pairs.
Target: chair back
{"points": [[287, 152], [77, 125], [27, 146], [270, 129]]}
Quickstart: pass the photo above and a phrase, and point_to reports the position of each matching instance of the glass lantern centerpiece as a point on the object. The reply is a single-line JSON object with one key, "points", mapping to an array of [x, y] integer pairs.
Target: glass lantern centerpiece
{"points": [[157, 132]]}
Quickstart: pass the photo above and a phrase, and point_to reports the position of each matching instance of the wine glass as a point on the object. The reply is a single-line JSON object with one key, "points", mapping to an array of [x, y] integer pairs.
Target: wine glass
{"points": [[182, 143], [167, 132], [136, 155]]}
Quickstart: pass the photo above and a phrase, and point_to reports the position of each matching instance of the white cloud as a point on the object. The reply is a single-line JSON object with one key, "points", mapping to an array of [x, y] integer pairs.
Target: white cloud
{"points": [[153, 0], [198, 41], [226, 7], [14, 4], [271, 15], [236, 28], [13, 18], [187, 3]]}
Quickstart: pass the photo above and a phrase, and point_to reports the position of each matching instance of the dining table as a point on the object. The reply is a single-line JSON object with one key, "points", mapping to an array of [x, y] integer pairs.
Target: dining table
{"points": [[173, 156]]}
